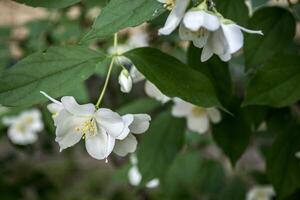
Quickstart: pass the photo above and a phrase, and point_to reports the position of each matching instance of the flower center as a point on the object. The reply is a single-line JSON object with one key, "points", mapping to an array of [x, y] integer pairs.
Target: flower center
{"points": [[198, 111], [170, 4], [201, 32], [87, 127], [23, 125]]}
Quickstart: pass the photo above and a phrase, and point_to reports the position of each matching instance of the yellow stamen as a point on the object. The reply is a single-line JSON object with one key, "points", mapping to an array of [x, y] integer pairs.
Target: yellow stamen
{"points": [[170, 4], [88, 127], [198, 111]]}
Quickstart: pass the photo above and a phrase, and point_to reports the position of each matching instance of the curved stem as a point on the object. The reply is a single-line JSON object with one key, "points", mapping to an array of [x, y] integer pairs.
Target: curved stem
{"points": [[108, 73], [106, 83]]}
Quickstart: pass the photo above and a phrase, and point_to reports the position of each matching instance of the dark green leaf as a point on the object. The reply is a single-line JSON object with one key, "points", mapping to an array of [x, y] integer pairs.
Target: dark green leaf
{"points": [[119, 14], [55, 71], [216, 70], [232, 134], [235, 10], [144, 105], [276, 84], [278, 26], [160, 145], [48, 3], [283, 168], [235, 189], [174, 78]]}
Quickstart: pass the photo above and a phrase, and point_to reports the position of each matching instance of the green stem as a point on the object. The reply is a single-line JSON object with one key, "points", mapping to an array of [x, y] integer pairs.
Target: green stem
{"points": [[108, 73], [106, 83]]}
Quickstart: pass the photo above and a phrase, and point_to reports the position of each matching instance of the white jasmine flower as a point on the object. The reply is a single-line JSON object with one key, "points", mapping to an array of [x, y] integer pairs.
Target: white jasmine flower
{"points": [[225, 41], [261, 193], [137, 124], [178, 8], [125, 81], [152, 91], [100, 128], [197, 25], [135, 177], [23, 128], [198, 118]]}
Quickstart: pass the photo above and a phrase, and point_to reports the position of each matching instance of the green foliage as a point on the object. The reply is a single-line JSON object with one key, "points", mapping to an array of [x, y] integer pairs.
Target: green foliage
{"points": [[160, 146], [276, 84], [233, 133], [174, 78], [119, 14], [143, 105], [54, 71], [48, 3], [235, 10], [283, 168], [278, 26], [216, 70]]}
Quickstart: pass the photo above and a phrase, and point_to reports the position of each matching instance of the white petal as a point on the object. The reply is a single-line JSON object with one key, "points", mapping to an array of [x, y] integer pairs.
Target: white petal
{"points": [[234, 37], [128, 145], [134, 176], [198, 124], [73, 107], [225, 57], [50, 98], [55, 108], [181, 108], [218, 42], [99, 146], [128, 119], [207, 53], [136, 75], [10, 120], [214, 115], [140, 124], [259, 32], [125, 81], [68, 139], [175, 17], [66, 122], [185, 34], [21, 137], [153, 183], [194, 20], [111, 121], [261, 192], [162, 1], [152, 91], [201, 41]]}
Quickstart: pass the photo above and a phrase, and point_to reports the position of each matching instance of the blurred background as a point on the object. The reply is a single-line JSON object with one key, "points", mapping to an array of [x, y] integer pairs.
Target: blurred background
{"points": [[39, 171]]}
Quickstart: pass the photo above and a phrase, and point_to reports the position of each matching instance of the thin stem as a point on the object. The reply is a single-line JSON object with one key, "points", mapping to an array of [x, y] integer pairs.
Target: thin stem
{"points": [[108, 73], [106, 83]]}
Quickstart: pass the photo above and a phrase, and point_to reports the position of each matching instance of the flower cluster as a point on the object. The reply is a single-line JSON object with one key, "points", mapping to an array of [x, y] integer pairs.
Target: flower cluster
{"points": [[102, 129], [206, 28]]}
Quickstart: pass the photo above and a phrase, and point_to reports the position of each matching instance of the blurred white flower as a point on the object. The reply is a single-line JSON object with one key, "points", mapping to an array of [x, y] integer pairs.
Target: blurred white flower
{"points": [[178, 8], [92, 13], [100, 128], [197, 25], [73, 13], [136, 75], [198, 118], [152, 91], [298, 155], [261, 193], [125, 81], [23, 128], [135, 177], [137, 124], [225, 41]]}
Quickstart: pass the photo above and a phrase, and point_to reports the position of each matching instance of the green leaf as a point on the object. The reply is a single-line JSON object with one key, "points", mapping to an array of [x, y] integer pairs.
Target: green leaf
{"points": [[48, 3], [233, 133], [55, 71], [283, 168], [160, 145], [216, 70], [120, 14], [278, 26], [276, 84], [174, 78], [143, 105], [235, 189], [235, 10]]}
